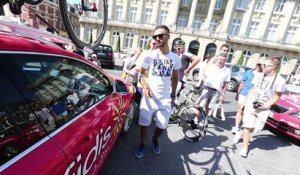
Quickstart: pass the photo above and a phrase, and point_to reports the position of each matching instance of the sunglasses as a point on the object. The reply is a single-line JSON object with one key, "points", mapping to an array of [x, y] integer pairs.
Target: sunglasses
{"points": [[268, 65], [258, 64], [159, 36]]}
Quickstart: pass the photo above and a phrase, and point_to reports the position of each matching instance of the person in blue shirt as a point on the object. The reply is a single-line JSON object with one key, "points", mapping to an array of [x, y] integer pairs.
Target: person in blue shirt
{"points": [[242, 92]]}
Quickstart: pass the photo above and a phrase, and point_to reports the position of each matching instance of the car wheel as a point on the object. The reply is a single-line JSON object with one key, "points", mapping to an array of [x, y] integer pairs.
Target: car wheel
{"points": [[11, 150], [231, 86], [129, 117], [196, 76]]}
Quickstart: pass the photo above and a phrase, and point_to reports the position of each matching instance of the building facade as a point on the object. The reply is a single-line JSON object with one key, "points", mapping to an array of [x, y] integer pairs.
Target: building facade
{"points": [[252, 28]]}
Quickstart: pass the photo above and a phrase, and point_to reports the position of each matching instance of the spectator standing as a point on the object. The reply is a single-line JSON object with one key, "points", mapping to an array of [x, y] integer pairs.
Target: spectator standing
{"points": [[265, 92], [202, 67], [95, 60], [162, 66], [215, 79], [242, 92], [188, 62], [131, 72], [223, 51]]}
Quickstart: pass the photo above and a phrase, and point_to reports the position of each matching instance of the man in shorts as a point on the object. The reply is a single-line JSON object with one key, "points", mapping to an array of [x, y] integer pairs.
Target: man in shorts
{"points": [[162, 66], [242, 92], [188, 62], [215, 79], [265, 91]]}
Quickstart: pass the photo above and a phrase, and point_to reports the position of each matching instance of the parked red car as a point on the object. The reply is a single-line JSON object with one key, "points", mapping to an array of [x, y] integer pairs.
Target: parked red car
{"points": [[286, 113], [63, 112]]}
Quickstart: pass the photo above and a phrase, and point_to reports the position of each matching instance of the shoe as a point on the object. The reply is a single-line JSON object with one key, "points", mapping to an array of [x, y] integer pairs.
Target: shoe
{"points": [[237, 137], [234, 130], [244, 152], [139, 152], [155, 146], [211, 120]]}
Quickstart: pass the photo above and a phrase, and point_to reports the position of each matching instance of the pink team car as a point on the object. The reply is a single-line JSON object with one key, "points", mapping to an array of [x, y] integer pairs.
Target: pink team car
{"points": [[286, 115], [59, 114]]}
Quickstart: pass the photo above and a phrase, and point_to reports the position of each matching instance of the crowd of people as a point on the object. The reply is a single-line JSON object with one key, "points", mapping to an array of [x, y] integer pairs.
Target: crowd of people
{"points": [[160, 74]]}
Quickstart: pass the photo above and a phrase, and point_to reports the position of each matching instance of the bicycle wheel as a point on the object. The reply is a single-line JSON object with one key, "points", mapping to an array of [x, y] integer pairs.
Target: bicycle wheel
{"points": [[92, 19], [192, 122]]}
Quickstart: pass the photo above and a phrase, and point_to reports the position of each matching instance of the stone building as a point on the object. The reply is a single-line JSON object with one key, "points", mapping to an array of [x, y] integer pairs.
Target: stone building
{"points": [[252, 28]]}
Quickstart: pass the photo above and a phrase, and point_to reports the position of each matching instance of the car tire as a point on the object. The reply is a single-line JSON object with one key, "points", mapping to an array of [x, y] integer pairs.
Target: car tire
{"points": [[232, 86], [129, 118], [11, 150], [195, 75]]}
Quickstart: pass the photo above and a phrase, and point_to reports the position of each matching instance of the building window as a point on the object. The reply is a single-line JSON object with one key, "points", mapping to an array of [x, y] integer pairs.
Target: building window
{"points": [[182, 21], [241, 4], [284, 61], [197, 23], [163, 17], [213, 25], [264, 55], [247, 54], [230, 55], [218, 4], [290, 35], [185, 2], [129, 40], [297, 10], [148, 13], [133, 13], [271, 32], [119, 9], [144, 42], [236, 24], [115, 37], [253, 29], [279, 6], [259, 6]]}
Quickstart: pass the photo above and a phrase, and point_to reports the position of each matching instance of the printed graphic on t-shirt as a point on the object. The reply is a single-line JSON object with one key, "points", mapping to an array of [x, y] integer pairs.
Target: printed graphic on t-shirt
{"points": [[263, 90], [162, 68]]}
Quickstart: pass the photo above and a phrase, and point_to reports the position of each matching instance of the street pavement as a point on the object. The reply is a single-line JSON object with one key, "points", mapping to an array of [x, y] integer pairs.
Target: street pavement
{"points": [[270, 151]]}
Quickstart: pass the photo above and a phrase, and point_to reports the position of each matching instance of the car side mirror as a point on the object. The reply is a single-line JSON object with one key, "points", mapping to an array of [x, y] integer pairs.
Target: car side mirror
{"points": [[120, 87]]}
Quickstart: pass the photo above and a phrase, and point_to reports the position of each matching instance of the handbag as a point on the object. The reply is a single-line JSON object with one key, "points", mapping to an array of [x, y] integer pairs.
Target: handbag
{"points": [[218, 112]]}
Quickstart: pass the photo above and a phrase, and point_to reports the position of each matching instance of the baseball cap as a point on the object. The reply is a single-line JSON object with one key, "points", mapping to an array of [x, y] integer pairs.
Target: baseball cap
{"points": [[179, 43]]}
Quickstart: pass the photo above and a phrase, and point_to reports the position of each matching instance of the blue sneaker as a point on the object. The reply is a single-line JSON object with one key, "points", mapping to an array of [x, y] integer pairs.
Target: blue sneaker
{"points": [[139, 152], [155, 146]]}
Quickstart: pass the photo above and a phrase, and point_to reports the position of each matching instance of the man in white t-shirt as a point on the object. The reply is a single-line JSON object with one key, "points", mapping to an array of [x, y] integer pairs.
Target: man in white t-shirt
{"points": [[162, 66], [215, 79], [265, 92]]}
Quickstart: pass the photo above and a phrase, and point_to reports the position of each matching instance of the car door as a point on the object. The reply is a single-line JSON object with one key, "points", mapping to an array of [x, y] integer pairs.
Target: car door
{"points": [[25, 145], [97, 120]]}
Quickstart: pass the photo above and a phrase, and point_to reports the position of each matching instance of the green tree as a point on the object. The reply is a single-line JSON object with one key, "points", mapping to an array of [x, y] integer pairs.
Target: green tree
{"points": [[241, 60], [118, 47]]}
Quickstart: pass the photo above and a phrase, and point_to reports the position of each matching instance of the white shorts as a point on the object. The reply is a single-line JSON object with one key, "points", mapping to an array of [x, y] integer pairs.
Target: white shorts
{"points": [[161, 107], [254, 118], [242, 100]]}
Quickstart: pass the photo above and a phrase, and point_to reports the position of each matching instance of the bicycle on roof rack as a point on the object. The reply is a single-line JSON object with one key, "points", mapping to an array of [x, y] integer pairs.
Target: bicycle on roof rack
{"points": [[96, 12], [191, 119]]}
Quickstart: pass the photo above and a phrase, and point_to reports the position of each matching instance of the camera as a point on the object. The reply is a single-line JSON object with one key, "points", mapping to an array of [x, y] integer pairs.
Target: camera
{"points": [[257, 104]]}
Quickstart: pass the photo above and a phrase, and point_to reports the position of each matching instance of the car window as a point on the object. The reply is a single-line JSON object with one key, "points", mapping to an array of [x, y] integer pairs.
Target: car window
{"points": [[59, 87], [20, 126], [235, 69]]}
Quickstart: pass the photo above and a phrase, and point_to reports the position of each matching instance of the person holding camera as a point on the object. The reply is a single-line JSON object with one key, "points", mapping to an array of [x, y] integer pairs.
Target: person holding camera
{"points": [[265, 91]]}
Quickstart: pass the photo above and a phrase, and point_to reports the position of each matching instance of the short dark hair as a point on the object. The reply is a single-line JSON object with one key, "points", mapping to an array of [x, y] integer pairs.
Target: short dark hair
{"points": [[225, 45], [162, 27]]}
